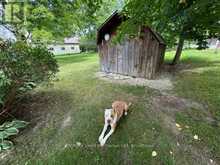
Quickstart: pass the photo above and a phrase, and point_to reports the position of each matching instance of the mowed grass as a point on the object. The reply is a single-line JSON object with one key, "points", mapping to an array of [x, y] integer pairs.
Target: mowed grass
{"points": [[66, 118], [201, 83]]}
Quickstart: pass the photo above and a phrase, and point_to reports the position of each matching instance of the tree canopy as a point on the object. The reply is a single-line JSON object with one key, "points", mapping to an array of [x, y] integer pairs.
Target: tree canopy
{"points": [[58, 18], [175, 19]]}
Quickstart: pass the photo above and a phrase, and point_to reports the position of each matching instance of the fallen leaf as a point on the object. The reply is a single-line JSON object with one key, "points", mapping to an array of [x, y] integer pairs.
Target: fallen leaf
{"points": [[178, 144], [196, 137], [177, 125], [78, 144], [154, 153], [186, 126], [179, 128]]}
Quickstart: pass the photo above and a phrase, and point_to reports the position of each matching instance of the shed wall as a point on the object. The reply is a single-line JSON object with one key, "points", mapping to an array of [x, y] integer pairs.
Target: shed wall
{"points": [[138, 57]]}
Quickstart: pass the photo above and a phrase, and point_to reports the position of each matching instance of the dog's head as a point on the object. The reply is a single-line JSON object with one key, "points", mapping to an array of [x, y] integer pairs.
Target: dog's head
{"points": [[109, 116]]}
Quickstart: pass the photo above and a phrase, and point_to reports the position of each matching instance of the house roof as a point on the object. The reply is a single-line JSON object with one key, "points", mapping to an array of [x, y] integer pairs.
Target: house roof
{"points": [[113, 22], [109, 25], [71, 40], [110, 19], [6, 33], [158, 36]]}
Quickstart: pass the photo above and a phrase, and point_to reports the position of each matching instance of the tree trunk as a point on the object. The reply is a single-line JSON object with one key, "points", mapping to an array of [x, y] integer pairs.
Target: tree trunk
{"points": [[178, 51]]}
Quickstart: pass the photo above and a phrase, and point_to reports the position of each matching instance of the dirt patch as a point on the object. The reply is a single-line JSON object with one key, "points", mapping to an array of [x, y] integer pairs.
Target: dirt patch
{"points": [[162, 83], [199, 156], [169, 123], [174, 103], [166, 106], [5, 155], [66, 122]]}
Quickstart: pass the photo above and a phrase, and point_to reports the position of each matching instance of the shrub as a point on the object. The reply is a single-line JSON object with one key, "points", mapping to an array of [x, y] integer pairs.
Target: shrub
{"points": [[88, 46], [9, 129], [4, 84], [23, 67]]}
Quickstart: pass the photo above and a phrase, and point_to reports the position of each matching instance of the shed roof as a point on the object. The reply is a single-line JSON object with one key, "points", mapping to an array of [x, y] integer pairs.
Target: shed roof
{"points": [[113, 22]]}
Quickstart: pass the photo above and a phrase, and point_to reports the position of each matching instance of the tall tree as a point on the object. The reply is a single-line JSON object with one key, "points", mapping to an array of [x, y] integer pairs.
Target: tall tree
{"points": [[55, 19], [60, 18], [102, 13], [175, 19]]}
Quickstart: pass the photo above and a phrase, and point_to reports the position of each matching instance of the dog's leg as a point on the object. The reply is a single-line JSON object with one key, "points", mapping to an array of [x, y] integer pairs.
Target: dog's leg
{"points": [[103, 141], [113, 126], [103, 133], [126, 109]]}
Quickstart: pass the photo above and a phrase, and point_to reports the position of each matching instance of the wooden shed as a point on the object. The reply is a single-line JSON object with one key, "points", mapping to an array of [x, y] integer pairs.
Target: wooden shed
{"points": [[137, 57]]}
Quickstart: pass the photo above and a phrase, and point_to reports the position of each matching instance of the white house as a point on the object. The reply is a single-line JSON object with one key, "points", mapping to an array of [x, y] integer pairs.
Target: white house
{"points": [[213, 43], [5, 31], [69, 46], [6, 34]]}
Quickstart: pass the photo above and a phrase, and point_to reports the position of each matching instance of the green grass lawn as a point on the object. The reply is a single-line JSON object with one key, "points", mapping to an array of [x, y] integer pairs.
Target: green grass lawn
{"points": [[203, 84], [66, 118]]}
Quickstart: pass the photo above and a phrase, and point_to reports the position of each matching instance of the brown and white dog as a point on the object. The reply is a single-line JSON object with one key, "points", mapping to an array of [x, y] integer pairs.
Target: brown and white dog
{"points": [[112, 116]]}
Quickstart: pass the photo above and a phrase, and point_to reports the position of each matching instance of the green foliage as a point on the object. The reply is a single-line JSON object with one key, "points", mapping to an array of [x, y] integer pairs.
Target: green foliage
{"points": [[190, 19], [8, 129], [88, 34], [41, 35], [202, 82], [23, 67], [134, 146], [4, 83], [56, 17], [88, 47], [59, 19]]}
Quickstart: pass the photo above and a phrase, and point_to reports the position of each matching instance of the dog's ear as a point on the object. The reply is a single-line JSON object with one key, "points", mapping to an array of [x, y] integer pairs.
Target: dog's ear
{"points": [[113, 111]]}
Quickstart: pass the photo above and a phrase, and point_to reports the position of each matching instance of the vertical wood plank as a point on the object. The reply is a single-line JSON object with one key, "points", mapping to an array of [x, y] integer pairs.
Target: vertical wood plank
{"points": [[137, 45], [149, 56], [127, 58], [116, 58], [120, 47], [139, 57], [111, 57], [107, 58], [132, 56], [145, 54], [104, 57]]}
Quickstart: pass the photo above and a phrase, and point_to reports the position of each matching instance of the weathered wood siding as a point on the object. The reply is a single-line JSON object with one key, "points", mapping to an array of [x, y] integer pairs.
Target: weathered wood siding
{"points": [[138, 57]]}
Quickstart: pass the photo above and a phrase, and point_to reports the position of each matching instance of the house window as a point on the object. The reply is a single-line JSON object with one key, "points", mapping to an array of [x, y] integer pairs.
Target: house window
{"points": [[62, 48], [73, 48]]}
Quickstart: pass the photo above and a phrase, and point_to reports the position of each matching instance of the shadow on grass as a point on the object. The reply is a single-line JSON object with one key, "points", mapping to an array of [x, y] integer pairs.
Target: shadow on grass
{"points": [[188, 64], [36, 106], [191, 59]]}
